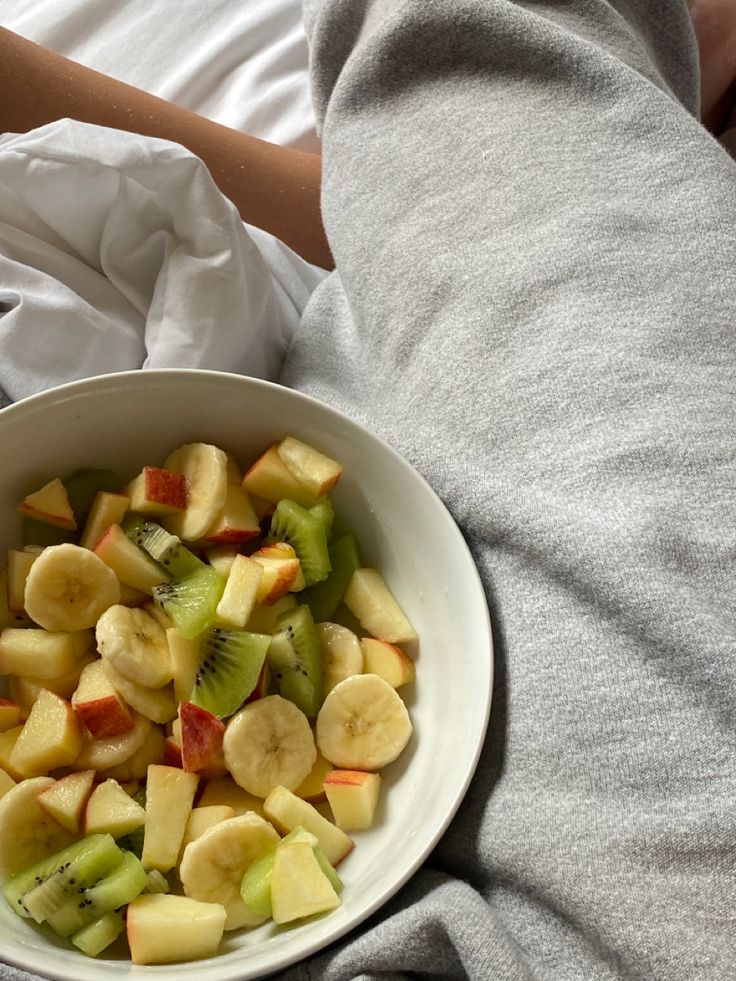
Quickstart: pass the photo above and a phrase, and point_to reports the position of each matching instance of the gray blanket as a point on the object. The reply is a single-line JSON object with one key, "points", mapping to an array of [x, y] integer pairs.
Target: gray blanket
{"points": [[534, 302]]}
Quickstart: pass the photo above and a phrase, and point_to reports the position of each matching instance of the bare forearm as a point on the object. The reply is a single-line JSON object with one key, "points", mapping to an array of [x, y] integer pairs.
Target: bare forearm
{"points": [[273, 187]]}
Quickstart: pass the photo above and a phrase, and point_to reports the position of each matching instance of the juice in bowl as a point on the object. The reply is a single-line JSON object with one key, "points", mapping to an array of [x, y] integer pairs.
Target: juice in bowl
{"points": [[127, 422]]}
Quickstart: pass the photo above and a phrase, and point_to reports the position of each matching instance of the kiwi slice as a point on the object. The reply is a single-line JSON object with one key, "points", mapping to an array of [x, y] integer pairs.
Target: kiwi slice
{"points": [[324, 597], [43, 887], [191, 602], [323, 511], [96, 937], [165, 548], [230, 663], [306, 534], [121, 886], [255, 889], [295, 657]]}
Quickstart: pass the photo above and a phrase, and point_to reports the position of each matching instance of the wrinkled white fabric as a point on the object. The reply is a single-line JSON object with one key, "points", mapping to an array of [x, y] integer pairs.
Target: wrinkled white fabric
{"points": [[119, 252]]}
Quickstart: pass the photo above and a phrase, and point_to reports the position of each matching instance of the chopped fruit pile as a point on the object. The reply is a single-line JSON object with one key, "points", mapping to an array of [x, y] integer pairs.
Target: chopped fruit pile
{"points": [[201, 691]]}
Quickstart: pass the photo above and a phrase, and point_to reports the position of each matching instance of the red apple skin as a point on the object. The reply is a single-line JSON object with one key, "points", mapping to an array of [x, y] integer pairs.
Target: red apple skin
{"points": [[201, 736], [231, 535], [350, 778], [104, 717], [165, 487], [237, 522], [172, 754]]}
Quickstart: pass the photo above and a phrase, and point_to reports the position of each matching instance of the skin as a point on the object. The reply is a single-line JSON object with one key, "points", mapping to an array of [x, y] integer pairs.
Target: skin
{"points": [[273, 187], [715, 28]]}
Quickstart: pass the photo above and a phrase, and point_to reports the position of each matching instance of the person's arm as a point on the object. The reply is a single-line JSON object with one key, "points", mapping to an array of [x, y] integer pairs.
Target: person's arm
{"points": [[273, 187]]}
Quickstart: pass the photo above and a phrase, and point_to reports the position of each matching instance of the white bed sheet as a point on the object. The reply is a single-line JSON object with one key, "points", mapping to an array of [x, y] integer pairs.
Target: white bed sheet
{"points": [[243, 63]]}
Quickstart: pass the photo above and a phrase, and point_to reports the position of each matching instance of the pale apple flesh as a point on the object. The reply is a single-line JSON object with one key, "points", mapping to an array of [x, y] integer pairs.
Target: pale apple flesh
{"points": [[19, 565], [162, 929], [110, 810], [107, 509], [299, 887], [387, 660], [67, 798], [51, 737], [237, 521], [353, 797], [50, 504], [288, 812], [169, 796], [98, 704], [129, 563]]}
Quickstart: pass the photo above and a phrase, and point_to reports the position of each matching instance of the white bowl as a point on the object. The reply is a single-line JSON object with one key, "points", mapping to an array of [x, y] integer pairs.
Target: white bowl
{"points": [[123, 421]]}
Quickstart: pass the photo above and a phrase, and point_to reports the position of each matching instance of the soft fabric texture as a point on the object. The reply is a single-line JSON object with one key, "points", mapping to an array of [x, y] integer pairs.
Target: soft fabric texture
{"points": [[534, 240], [534, 302], [119, 252]]}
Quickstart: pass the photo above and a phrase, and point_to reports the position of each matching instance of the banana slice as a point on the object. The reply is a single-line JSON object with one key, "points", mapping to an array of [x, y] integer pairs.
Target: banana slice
{"points": [[363, 724], [135, 645], [156, 704], [28, 833], [206, 469], [342, 655], [136, 766], [102, 754], [68, 588], [214, 864], [269, 743]]}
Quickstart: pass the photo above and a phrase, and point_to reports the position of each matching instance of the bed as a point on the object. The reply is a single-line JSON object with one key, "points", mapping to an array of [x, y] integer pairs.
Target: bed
{"points": [[244, 65]]}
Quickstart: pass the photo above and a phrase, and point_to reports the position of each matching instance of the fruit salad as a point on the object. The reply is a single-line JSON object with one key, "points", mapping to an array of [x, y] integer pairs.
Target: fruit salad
{"points": [[202, 690]]}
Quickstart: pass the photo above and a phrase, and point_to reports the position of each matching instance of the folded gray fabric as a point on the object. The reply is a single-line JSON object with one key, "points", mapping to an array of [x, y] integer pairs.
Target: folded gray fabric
{"points": [[534, 302]]}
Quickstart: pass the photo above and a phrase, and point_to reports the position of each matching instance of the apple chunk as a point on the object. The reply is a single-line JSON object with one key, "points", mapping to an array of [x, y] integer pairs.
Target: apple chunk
{"points": [[98, 704], [371, 601], [50, 504], [51, 737], [42, 654], [241, 590], [280, 573], [388, 661], [111, 811], [157, 491], [299, 887], [169, 796], [163, 929], [352, 796], [9, 714], [269, 478], [107, 509], [129, 563], [315, 471], [201, 737], [66, 799], [288, 812], [19, 565], [237, 521]]}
